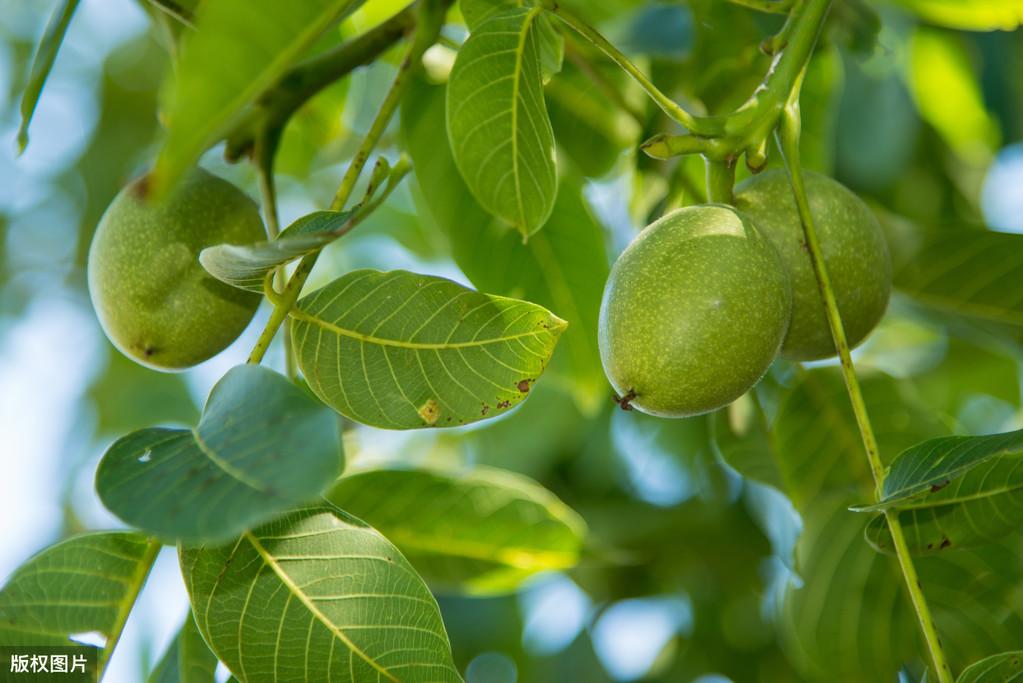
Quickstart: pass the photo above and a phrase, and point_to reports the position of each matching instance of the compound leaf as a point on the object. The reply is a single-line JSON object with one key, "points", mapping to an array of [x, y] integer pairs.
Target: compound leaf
{"points": [[400, 350], [497, 120], [317, 595], [261, 446], [482, 531]]}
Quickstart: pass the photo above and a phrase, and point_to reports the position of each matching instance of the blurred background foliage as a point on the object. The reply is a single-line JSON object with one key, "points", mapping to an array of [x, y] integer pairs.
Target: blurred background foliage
{"points": [[699, 567]]}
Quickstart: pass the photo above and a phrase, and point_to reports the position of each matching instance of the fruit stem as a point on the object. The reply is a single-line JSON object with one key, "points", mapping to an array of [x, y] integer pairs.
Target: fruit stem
{"points": [[430, 19], [788, 142], [669, 106], [720, 180]]}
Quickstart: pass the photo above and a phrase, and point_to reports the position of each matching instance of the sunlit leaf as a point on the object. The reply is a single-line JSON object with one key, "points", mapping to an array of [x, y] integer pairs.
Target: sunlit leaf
{"points": [[947, 94], [482, 531], [975, 15], [246, 266], [562, 267], [187, 659], [497, 120], [83, 587], [261, 446], [552, 43], [995, 669], [317, 595], [400, 350], [42, 62], [232, 58]]}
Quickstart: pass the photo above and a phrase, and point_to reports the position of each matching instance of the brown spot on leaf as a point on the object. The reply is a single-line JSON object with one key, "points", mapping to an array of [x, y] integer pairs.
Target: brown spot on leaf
{"points": [[523, 386], [945, 543], [503, 404], [940, 485], [429, 411], [486, 409]]}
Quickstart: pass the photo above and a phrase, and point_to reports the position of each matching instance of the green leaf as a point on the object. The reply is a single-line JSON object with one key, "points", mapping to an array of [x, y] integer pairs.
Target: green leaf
{"points": [[261, 446], [400, 350], [743, 440], [483, 531], [1002, 668], [552, 43], [317, 595], [246, 266], [234, 57], [817, 441], [497, 120], [971, 15], [187, 659], [84, 585], [42, 62], [563, 267], [476, 12], [849, 618], [953, 492], [973, 273], [929, 467]]}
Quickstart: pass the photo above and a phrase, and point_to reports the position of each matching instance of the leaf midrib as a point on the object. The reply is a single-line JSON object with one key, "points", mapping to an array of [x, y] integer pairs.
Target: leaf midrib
{"points": [[301, 315], [271, 562], [520, 51]]}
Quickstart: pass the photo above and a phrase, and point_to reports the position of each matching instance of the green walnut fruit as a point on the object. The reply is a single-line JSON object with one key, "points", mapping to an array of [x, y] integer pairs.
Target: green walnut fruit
{"points": [[154, 301], [693, 312], [854, 249]]}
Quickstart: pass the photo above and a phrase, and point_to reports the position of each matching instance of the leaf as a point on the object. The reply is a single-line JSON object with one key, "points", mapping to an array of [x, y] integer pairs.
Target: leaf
{"points": [[930, 466], [246, 266], [82, 586], [973, 273], [971, 15], [483, 531], [973, 595], [849, 619], [261, 446], [563, 267], [235, 56], [1002, 668], [953, 492], [42, 62], [400, 350], [317, 595], [187, 659], [497, 120], [817, 442], [552, 43], [743, 440]]}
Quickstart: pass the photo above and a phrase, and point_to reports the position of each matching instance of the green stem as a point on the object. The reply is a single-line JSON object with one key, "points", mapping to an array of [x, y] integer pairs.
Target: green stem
{"points": [[788, 141], [430, 20], [265, 149], [607, 88], [307, 79], [668, 105], [172, 9], [138, 581], [720, 180]]}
